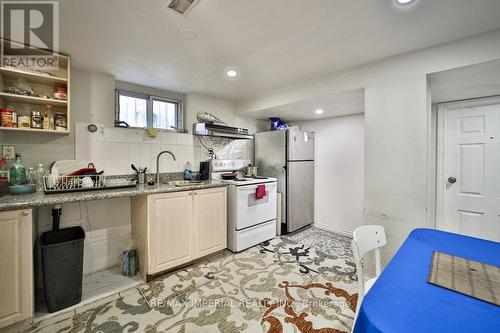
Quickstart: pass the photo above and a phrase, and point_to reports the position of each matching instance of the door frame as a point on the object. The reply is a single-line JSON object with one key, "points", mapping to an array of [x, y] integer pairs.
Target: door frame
{"points": [[442, 110]]}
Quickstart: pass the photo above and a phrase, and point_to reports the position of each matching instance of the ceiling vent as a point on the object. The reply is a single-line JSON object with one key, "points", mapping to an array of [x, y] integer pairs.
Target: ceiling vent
{"points": [[181, 6]]}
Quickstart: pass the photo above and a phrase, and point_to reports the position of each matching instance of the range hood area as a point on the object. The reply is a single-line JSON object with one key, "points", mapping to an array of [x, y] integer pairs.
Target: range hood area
{"points": [[218, 130]]}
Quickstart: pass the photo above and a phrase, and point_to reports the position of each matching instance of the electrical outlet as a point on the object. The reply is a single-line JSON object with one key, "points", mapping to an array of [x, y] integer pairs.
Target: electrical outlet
{"points": [[8, 152]]}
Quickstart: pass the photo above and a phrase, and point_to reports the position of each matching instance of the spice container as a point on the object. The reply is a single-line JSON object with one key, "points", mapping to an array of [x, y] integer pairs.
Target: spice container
{"points": [[24, 121], [8, 117], [60, 92], [48, 119], [36, 119], [60, 123]]}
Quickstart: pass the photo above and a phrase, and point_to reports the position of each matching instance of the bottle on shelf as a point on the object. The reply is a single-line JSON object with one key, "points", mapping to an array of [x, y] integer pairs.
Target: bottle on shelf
{"points": [[48, 119], [17, 171]]}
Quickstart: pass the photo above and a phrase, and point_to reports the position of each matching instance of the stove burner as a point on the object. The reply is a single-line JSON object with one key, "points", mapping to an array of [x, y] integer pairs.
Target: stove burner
{"points": [[240, 180]]}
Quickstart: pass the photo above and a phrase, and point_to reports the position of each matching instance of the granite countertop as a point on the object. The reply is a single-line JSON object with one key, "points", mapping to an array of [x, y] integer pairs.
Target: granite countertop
{"points": [[12, 202]]}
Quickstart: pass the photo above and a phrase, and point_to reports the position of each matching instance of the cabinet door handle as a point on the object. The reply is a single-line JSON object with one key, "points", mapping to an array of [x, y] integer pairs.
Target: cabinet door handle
{"points": [[26, 213]]}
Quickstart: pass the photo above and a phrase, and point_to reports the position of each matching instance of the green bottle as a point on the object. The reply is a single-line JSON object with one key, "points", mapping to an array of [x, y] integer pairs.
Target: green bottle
{"points": [[17, 172]]}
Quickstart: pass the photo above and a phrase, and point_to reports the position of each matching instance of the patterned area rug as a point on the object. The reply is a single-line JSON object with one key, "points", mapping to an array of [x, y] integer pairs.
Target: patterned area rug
{"points": [[278, 286], [338, 246]]}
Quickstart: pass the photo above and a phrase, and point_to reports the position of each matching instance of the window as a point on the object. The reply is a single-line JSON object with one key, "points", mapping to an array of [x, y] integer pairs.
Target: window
{"points": [[133, 109], [146, 111], [165, 114]]}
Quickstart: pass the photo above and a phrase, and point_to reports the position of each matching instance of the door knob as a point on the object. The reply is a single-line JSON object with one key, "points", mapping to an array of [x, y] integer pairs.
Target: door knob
{"points": [[452, 180]]}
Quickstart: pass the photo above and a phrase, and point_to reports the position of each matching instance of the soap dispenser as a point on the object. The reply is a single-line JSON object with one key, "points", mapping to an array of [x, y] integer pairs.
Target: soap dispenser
{"points": [[187, 171]]}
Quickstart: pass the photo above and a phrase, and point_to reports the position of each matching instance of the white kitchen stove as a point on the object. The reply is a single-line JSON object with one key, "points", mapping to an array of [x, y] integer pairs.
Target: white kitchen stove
{"points": [[250, 220]]}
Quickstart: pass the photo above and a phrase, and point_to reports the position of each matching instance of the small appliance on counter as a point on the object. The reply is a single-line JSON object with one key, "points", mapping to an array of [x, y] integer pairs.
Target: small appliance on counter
{"points": [[204, 170], [251, 204]]}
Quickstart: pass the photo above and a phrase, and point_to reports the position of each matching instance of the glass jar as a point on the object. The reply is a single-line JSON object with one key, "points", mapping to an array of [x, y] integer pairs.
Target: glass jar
{"points": [[31, 176], [40, 173], [8, 117], [36, 119]]}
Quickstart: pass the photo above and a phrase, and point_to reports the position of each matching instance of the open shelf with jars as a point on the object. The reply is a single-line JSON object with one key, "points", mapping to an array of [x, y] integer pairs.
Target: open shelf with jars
{"points": [[35, 100]]}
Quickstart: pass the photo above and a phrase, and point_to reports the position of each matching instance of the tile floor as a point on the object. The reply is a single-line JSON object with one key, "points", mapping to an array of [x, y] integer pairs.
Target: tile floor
{"points": [[104, 285], [310, 258]]}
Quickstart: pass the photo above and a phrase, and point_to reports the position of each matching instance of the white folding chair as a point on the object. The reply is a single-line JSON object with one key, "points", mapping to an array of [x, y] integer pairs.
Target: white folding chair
{"points": [[367, 238]]}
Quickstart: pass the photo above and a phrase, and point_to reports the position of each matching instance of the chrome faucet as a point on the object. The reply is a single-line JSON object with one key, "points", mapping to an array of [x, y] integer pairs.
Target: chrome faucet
{"points": [[158, 164]]}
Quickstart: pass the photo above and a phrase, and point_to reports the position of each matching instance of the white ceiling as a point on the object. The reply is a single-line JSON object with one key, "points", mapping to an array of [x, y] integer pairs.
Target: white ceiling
{"points": [[474, 81], [333, 105], [273, 43]]}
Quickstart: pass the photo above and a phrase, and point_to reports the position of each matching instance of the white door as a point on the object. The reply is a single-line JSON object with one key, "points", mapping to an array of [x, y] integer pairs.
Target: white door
{"points": [[470, 175]]}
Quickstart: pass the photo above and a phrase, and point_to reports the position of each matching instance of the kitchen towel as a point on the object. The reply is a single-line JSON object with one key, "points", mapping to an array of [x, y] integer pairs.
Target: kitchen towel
{"points": [[260, 192]]}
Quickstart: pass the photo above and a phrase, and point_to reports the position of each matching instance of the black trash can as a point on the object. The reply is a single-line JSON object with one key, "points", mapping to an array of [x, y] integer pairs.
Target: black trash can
{"points": [[62, 267]]}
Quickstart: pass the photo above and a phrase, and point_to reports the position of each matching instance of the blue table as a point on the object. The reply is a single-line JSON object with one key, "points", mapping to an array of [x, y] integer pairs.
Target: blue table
{"points": [[402, 301]]}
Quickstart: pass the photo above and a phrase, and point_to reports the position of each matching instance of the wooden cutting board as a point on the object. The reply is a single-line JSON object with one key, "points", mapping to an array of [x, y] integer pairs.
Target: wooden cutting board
{"points": [[465, 276]]}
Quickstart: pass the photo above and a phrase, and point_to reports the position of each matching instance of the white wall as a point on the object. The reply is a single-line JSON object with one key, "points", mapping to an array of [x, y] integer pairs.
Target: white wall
{"points": [[223, 109], [339, 172], [397, 126]]}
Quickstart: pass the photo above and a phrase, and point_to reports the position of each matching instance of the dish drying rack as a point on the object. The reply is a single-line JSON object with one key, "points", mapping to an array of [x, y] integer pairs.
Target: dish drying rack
{"points": [[64, 184]]}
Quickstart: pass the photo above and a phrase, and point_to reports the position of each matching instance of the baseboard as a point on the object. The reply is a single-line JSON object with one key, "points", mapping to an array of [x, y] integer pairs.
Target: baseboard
{"points": [[333, 229]]}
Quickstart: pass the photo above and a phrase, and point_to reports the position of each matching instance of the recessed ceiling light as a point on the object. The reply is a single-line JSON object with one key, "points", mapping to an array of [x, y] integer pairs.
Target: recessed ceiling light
{"points": [[319, 111], [404, 2], [231, 73]]}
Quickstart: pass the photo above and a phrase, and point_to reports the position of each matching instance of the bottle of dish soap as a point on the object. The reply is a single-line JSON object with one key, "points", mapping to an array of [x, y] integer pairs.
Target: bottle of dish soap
{"points": [[187, 171], [17, 172]]}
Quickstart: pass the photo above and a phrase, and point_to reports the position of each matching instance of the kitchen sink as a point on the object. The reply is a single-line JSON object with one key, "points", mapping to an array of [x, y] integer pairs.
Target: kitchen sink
{"points": [[181, 183]]}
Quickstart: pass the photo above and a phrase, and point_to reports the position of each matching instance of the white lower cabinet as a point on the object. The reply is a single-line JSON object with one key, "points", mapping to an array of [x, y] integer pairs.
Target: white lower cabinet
{"points": [[172, 229], [16, 262], [210, 221]]}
